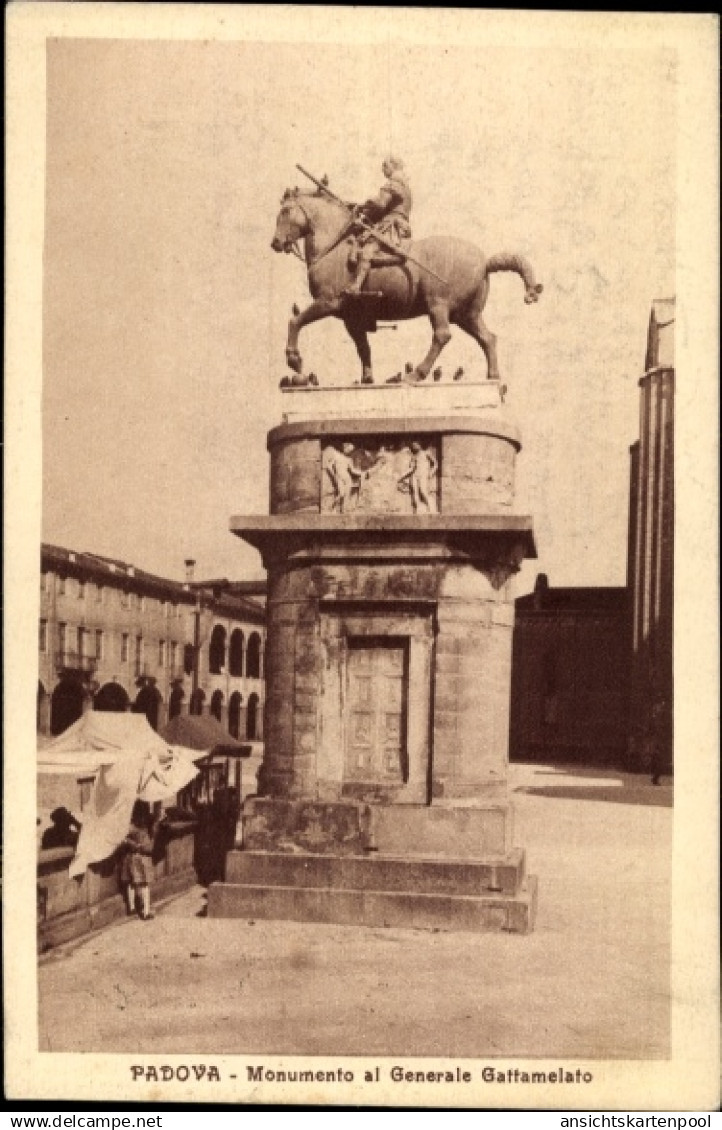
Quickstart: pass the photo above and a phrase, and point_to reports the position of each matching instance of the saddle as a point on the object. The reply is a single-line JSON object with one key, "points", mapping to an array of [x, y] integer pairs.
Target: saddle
{"points": [[384, 258]]}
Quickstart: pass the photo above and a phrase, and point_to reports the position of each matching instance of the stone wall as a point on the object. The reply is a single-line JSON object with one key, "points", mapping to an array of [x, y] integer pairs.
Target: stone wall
{"points": [[473, 474], [457, 625], [68, 908]]}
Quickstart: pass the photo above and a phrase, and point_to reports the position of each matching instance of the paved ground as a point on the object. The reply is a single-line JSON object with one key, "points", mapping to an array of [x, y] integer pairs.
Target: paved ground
{"points": [[591, 982]]}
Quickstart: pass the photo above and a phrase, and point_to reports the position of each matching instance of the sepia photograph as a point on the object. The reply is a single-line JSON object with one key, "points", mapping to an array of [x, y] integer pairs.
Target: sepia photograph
{"points": [[360, 560]]}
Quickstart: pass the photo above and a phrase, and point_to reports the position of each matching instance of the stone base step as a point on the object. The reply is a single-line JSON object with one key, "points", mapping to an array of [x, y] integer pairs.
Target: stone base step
{"points": [[378, 872], [477, 832], [401, 909]]}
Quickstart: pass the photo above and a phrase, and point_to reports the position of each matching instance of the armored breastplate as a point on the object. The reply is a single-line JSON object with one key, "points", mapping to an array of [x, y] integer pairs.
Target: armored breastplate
{"points": [[401, 193]]}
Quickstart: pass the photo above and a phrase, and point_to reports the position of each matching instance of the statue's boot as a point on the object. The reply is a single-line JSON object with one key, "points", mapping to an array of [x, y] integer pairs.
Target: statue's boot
{"points": [[353, 290]]}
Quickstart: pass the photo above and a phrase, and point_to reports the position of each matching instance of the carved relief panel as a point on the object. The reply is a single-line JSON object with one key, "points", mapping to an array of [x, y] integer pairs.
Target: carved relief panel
{"points": [[388, 476]]}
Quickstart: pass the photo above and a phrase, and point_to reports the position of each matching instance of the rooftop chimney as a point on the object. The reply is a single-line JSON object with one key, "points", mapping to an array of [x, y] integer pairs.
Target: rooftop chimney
{"points": [[190, 569]]}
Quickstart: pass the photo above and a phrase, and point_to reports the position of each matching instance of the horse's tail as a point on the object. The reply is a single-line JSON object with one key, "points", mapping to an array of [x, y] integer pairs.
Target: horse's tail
{"points": [[508, 262]]}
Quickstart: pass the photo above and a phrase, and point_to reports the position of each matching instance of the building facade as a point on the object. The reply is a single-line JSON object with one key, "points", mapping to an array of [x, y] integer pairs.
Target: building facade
{"points": [[113, 637], [592, 673], [569, 675], [650, 571]]}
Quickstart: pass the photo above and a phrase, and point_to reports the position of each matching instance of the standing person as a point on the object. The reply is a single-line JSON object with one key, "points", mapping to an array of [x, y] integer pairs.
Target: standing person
{"points": [[345, 477], [390, 212], [422, 468], [137, 865]]}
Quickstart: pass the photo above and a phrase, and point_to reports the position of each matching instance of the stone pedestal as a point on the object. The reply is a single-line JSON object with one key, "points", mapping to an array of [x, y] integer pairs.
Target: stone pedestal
{"points": [[390, 547]]}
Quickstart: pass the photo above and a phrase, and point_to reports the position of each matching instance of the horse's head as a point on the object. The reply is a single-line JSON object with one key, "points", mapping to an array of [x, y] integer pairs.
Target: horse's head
{"points": [[291, 224]]}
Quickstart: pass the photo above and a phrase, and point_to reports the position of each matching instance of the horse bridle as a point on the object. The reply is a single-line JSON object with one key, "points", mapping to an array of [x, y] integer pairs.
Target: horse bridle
{"points": [[292, 245]]}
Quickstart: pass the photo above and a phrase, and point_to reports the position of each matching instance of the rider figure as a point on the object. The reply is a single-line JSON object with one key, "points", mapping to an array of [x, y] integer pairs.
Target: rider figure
{"points": [[389, 211]]}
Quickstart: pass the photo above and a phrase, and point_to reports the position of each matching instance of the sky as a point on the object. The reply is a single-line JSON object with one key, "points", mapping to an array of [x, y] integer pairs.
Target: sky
{"points": [[165, 309], [144, 182]]}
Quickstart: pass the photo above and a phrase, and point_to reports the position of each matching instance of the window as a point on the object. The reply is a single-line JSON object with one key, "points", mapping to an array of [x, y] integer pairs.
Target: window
{"points": [[124, 645], [140, 599], [252, 719], [216, 707], [62, 638], [43, 636], [81, 642], [124, 598], [138, 649], [253, 657], [98, 643], [43, 582], [235, 653], [217, 650], [174, 705], [234, 714], [81, 590], [99, 594], [174, 655], [189, 655], [161, 653], [61, 586]]}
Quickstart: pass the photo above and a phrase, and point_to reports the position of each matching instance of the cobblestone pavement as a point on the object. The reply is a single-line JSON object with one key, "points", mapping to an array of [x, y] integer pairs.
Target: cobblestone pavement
{"points": [[592, 981]]}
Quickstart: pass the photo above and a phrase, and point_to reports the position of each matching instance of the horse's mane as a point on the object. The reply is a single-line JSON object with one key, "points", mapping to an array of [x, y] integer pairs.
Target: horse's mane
{"points": [[292, 194]]}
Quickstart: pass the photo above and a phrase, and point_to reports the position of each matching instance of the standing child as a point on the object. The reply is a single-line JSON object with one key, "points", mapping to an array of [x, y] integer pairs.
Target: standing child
{"points": [[137, 865]]}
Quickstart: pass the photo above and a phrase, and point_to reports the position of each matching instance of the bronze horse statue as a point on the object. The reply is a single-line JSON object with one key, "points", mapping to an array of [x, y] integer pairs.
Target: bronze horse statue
{"points": [[398, 289]]}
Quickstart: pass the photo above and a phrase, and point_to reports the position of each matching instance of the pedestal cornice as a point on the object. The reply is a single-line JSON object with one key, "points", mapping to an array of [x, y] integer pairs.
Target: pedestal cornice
{"points": [[348, 426]]}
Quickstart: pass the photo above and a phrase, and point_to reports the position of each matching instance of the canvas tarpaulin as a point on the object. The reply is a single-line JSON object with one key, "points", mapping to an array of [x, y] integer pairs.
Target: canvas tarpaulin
{"points": [[129, 761], [203, 732]]}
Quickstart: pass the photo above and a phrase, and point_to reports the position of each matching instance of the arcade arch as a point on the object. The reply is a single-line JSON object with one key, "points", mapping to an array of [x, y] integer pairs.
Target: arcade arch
{"points": [[111, 697], [148, 702], [41, 714], [175, 702], [234, 714], [216, 708], [197, 700], [252, 718], [66, 705]]}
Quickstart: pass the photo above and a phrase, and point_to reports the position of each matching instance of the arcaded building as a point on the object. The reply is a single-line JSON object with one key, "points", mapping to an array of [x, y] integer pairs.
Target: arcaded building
{"points": [[114, 637]]}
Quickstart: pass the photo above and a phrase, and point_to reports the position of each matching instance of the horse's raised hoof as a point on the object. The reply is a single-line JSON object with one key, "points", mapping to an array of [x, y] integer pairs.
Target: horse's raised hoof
{"points": [[367, 379]]}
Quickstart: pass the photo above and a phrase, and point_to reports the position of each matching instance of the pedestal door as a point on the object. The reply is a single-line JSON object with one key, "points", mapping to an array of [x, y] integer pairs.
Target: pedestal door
{"points": [[376, 755]]}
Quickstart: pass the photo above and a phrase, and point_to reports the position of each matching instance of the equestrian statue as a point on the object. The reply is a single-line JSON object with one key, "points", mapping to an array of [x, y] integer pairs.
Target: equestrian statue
{"points": [[364, 268]]}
